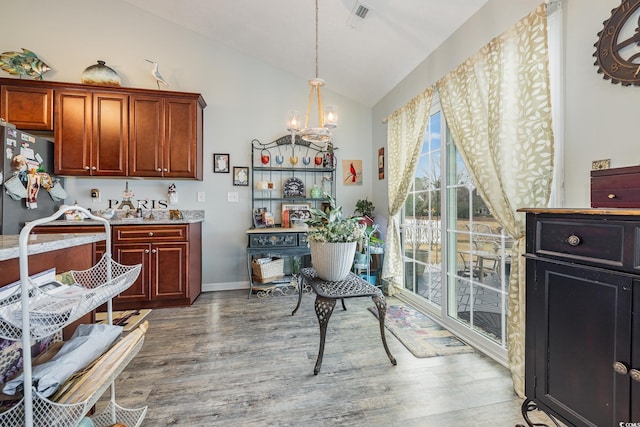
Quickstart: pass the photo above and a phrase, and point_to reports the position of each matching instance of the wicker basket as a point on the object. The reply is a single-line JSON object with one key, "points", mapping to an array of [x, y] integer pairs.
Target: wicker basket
{"points": [[268, 271]]}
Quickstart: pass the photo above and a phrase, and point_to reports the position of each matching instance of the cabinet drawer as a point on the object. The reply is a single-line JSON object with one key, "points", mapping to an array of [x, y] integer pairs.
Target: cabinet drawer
{"points": [[302, 239], [273, 240], [133, 233], [600, 242], [616, 188]]}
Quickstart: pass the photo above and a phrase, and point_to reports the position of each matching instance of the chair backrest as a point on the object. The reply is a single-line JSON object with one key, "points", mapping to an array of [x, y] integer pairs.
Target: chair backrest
{"points": [[483, 237]]}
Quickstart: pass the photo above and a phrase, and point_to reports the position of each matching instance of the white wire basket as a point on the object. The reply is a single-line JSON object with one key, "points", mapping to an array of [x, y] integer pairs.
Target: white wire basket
{"points": [[48, 413], [33, 312], [49, 311]]}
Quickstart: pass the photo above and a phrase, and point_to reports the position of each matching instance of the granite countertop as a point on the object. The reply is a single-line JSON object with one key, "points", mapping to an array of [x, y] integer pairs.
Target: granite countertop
{"points": [[160, 216], [39, 243]]}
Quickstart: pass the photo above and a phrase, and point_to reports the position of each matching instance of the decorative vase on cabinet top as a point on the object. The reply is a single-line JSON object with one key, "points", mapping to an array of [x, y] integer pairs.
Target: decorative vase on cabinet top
{"points": [[100, 74]]}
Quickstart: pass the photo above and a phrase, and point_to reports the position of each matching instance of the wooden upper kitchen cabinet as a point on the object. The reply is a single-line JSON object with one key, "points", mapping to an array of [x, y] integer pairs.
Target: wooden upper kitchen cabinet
{"points": [[165, 136], [111, 131], [91, 133], [26, 106]]}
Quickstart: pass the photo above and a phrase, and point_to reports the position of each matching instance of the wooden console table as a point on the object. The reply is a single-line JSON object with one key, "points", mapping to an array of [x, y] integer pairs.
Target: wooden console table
{"points": [[326, 295]]}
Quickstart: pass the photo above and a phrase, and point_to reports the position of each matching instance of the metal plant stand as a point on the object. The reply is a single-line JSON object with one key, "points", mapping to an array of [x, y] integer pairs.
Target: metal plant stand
{"points": [[328, 292]]}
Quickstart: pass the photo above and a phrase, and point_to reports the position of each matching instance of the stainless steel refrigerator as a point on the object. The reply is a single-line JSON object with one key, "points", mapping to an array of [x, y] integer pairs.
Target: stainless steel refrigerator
{"points": [[23, 155]]}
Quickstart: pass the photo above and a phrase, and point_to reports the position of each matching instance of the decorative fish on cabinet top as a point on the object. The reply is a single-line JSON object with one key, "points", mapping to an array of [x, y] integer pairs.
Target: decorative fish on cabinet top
{"points": [[25, 63]]}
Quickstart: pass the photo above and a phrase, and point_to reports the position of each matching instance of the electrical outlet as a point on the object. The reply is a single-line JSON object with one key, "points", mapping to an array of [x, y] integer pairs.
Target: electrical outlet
{"points": [[200, 196], [95, 195], [232, 197]]}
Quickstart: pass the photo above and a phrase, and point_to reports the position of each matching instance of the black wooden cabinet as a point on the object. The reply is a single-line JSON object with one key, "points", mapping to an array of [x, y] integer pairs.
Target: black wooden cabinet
{"points": [[583, 316]]}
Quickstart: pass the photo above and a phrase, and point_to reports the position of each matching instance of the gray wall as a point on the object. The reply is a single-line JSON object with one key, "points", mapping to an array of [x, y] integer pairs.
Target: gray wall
{"points": [[246, 99], [600, 118]]}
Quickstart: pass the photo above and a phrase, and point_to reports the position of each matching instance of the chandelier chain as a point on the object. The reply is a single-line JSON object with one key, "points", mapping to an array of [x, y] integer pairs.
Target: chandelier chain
{"points": [[316, 39]]}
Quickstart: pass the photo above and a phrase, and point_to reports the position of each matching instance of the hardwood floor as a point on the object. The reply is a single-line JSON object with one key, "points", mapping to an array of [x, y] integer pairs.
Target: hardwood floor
{"points": [[232, 361]]}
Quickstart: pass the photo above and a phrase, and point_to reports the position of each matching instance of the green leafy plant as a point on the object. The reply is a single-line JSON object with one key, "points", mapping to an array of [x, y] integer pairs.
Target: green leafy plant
{"points": [[332, 226], [364, 207]]}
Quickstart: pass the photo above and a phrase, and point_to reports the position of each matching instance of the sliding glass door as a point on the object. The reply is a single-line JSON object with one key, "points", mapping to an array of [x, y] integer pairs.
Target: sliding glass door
{"points": [[456, 256]]}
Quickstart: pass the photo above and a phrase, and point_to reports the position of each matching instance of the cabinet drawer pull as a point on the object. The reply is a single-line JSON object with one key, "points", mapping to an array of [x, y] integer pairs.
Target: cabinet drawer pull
{"points": [[620, 368], [635, 375], [150, 234], [612, 196], [573, 240]]}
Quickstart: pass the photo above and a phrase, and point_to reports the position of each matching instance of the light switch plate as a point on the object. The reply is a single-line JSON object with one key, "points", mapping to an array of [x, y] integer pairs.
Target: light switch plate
{"points": [[232, 197], [200, 196]]}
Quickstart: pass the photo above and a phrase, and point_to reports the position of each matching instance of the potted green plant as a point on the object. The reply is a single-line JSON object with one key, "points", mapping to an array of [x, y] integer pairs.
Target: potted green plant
{"points": [[332, 240], [365, 208]]}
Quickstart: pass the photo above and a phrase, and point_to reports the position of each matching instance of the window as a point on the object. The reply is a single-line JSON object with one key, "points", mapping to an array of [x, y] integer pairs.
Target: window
{"points": [[456, 257]]}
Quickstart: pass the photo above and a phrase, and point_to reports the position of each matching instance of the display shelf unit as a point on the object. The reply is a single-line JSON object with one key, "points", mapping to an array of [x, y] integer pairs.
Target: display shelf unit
{"points": [[32, 313], [286, 173], [282, 173]]}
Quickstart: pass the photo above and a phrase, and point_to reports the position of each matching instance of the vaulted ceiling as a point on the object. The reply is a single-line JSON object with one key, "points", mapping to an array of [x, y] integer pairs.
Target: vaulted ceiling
{"points": [[362, 58]]}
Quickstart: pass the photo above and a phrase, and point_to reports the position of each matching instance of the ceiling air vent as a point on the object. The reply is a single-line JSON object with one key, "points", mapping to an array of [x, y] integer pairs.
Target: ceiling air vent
{"points": [[358, 14], [361, 11]]}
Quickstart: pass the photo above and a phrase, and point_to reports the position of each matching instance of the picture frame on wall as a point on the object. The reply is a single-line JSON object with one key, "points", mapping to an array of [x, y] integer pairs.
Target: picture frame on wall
{"points": [[220, 163], [241, 175], [381, 163]]}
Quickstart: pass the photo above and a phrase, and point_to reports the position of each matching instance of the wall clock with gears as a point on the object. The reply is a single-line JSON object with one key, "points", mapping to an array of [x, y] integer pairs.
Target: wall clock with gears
{"points": [[618, 47]]}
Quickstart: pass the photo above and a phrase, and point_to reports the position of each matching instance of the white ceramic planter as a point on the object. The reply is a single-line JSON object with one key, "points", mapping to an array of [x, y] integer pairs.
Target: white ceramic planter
{"points": [[332, 261]]}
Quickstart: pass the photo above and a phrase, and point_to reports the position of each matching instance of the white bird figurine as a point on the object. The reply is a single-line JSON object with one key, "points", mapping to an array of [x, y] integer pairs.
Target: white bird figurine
{"points": [[156, 74]]}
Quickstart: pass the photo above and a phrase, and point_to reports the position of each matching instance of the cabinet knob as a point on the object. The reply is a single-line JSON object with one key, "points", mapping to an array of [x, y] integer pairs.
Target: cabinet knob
{"points": [[620, 368], [153, 251], [146, 251], [635, 375], [165, 170], [93, 168], [150, 233], [158, 170], [573, 240], [611, 196], [87, 168]]}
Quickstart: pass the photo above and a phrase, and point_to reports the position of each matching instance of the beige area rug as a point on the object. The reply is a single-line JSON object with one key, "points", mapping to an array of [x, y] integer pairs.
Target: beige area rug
{"points": [[128, 319], [422, 336]]}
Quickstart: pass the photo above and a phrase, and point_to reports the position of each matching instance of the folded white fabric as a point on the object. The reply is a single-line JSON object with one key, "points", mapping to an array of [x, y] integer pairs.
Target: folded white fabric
{"points": [[87, 344]]}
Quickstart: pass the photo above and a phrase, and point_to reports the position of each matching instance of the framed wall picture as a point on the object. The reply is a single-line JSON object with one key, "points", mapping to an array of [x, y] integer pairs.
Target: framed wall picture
{"points": [[220, 163], [381, 163], [241, 175], [352, 172]]}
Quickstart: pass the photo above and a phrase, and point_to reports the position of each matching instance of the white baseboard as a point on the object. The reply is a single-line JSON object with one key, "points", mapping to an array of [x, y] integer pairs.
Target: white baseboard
{"points": [[228, 286]]}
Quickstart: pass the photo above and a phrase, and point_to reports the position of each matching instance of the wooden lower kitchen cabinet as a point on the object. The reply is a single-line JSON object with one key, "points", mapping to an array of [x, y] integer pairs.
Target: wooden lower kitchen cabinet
{"points": [[582, 362], [98, 248], [171, 258]]}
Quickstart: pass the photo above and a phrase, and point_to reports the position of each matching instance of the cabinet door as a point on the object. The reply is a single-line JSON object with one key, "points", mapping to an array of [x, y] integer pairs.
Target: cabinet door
{"points": [[146, 130], [635, 349], [582, 328], [109, 145], [131, 254], [169, 271], [181, 139], [72, 132], [29, 108]]}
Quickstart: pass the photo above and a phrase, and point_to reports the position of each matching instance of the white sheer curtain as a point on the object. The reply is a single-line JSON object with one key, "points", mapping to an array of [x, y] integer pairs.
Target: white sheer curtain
{"points": [[405, 135], [498, 108]]}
